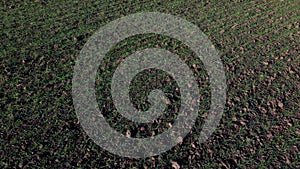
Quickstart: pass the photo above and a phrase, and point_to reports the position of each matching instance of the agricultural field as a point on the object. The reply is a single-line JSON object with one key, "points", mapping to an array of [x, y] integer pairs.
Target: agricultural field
{"points": [[257, 41]]}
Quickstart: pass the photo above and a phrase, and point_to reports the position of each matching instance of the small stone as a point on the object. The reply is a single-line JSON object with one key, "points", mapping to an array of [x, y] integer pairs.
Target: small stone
{"points": [[128, 134], [280, 104], [175, 165], [234, 119]]}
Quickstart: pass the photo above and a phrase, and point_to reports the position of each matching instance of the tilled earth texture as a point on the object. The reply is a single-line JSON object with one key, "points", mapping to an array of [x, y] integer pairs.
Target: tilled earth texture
{"points": [[258, 43]]}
